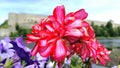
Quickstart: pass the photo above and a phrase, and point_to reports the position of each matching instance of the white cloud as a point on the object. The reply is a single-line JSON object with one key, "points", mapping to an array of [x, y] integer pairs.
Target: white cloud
{"points": [[106, 16], [102, 10]]}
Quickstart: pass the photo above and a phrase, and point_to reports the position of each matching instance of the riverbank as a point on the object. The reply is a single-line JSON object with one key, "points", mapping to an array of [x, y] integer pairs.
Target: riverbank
{"points": [[108, 37]]}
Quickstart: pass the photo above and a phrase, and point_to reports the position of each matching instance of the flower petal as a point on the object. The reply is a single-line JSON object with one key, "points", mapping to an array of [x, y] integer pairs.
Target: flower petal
{"points": [[74, 32], [81, 14], [35, 50], [45, 51], [49, 27], [60, 51], [75, 24], [42, 43], [59, 13], [31, 37]]}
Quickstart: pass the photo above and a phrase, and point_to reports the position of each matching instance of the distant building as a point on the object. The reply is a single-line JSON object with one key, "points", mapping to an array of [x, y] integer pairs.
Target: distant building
{"points": [[24, 20], [28, 20]]}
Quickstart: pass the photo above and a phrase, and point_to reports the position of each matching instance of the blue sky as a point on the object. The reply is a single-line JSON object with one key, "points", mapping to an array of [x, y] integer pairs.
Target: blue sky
{"points": [[101, 10]]}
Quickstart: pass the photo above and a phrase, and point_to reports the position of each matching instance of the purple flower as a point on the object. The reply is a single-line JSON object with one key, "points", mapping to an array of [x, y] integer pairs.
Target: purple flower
{"points": [[22, 51], [16, 51], [5, 48], [20, 44], [15, 58], [43, 61], [32, 66], [17, 65]]}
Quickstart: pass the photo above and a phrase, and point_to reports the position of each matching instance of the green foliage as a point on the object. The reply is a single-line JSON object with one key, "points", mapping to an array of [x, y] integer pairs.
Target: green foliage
{"points": [[36, 22], [17, 27], [0, 59], [20, 31], [76, 62], [4, 24], [115, 57], [92, 24], [100, 31], [109, 24], [106, 30], [23, 63], [110, 28], [8, 63], [14, 34]]}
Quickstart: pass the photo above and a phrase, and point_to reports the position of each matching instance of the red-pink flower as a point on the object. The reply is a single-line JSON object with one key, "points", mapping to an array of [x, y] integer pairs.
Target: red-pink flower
{"points": [[50, 34], [60, 32], [49, 41], [85, 48], [91, 49], [102, 54]]}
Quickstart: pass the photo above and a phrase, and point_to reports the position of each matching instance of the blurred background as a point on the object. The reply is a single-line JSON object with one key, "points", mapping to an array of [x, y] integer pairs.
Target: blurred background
{"points": [[18, 16]]}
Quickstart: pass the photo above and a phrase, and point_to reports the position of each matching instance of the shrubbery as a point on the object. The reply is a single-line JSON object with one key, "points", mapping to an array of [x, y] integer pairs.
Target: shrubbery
{"points": [[106, 30], [20, 31]]}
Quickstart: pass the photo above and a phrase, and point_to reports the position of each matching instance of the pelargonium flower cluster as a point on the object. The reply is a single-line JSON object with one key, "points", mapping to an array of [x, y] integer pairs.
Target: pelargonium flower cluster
{"points": [[14, 54], [62, 35]]}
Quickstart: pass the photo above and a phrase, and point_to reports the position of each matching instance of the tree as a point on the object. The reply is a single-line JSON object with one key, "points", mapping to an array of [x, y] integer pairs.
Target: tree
{"points": [[109, 24], [20, 31], [4, 24], [117, 30], [104, 31], [92, 24], [17, 27], [97, 30], [110, 29]]}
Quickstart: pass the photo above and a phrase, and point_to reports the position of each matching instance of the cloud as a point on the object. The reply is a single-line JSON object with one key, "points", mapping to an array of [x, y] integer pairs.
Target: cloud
{"points": [[106, 16], [97, 9]]}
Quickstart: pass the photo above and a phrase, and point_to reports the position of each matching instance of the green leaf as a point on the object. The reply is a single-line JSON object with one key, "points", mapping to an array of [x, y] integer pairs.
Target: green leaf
{"points": [[23, 63], [0, 59], [8, 63]]}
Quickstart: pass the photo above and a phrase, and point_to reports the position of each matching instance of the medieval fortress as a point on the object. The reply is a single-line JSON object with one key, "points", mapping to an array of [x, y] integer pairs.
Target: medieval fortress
{"points": [[28, 20], [24, 20]]}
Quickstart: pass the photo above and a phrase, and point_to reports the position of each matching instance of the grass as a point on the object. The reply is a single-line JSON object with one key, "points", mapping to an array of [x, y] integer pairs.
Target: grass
{"points": [[115, 57]]}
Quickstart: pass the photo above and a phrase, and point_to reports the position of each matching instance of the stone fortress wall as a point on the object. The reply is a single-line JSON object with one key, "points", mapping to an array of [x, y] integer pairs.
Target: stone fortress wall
{"points": [[28, 20], [4, 32], [24, 20]]}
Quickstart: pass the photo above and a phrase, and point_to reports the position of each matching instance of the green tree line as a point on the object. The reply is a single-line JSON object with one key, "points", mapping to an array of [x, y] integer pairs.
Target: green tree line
{"points": [[100, 31], [20, 31], [106, 30]]}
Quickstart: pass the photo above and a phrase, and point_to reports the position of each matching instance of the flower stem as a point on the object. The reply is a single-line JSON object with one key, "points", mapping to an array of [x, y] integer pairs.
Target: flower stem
{"points": [[54, 65], [88, 64]]}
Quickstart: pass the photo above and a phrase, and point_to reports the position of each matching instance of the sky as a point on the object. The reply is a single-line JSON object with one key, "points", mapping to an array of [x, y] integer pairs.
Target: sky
{"points": [[100, 10]]}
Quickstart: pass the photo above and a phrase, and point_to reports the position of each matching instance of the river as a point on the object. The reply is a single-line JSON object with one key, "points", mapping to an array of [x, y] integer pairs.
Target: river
{"points": [[114, 42]]}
